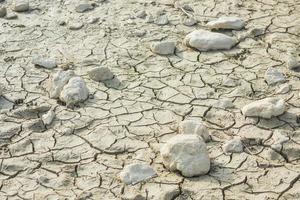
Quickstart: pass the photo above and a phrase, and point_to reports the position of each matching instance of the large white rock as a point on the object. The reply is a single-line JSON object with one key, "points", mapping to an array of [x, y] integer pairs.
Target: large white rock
{"points": [[58, 81], [265, 108], [100, 74], [204, 40], [234, 145], [163, 48], [235, 23], [186, 153], [194, 127], [74, 92], [135, 173]]}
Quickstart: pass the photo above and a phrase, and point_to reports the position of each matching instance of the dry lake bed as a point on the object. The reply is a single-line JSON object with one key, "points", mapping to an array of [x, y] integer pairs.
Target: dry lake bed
{"points": [[150, 99]]}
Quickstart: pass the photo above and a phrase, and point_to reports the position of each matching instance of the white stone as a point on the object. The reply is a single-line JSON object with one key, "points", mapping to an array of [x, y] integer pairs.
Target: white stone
{"points": [[274, 76], [194, 127], [21, 6], [204, 40], [100, 74], [48, 117], [83, 7], [186, 153], [135, 173], [47, 63], [58, 81], [233, 23], [75, 25], [163, 48], [234, 145], [265, 108], [74, 91]]}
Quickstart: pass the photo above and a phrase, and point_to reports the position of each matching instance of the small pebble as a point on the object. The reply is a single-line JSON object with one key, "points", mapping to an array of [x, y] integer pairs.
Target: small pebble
{"points": [[163, 48], [75, 25], [47, 63]]}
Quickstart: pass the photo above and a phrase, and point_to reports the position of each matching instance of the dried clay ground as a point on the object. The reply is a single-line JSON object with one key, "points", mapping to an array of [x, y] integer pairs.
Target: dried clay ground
{"points": [[126, 119]]}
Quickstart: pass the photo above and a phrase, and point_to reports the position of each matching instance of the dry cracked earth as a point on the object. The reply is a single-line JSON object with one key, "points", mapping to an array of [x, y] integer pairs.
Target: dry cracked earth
{"points": [[127, 118]]}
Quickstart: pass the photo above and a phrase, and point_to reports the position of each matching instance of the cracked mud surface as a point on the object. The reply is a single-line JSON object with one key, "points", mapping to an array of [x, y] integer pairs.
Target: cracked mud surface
{"points": [[127, 118]]}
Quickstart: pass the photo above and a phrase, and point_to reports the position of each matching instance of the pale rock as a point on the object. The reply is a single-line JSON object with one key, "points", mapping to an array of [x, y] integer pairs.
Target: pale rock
{"points": [[274, 76], [100, 74], [75, 91], [193, 126], [135, 173], [234, 145], [283, 89], [48, 117], [47, 63], [11, 15], [2, 12], [186, 153], [92, 20], [161, 20], [163, 48], [58, 81], [233, 23], [75, 25], [21, 6], [83, 7], [265, 108], [204, 40]]}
